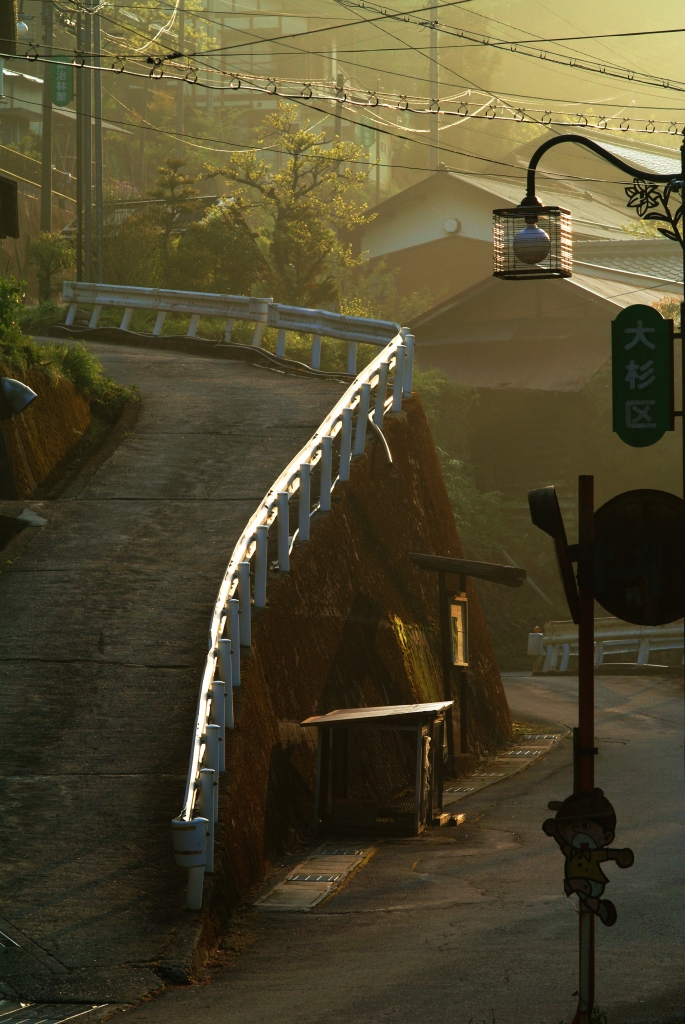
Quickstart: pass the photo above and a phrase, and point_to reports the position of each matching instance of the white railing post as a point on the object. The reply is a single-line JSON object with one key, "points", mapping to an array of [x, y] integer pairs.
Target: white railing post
{"points": [[228, 327], [234, 633], [408, 364], [352, 358], [95, 316], [305, 501], [326, 473], [193, 325], [126, 318], [280, 344], [224, 659], [345, 445], [316, 352], [565, 655], [362, 417], [196, 877], [212, 761], [206, 788], [260, 569], [398, 379], [71, 314], [381, 392], [159, 322], [190, 851], [257, 336], [228, 708], [219, 718], [283, 531], [244, 599]]}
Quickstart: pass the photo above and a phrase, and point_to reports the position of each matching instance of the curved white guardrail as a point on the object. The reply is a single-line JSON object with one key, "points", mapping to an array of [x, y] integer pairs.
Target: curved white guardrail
{"points": [[553, 649], [244, 584]]}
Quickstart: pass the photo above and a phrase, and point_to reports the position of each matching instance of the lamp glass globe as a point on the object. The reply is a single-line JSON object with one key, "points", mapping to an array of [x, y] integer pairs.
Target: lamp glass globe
{"points": [[532, 245]]}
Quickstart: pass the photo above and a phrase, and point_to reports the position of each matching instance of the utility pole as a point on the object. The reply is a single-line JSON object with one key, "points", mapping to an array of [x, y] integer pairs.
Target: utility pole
{"points": [[434, 90], [143, 129], [99, 198], [339, 87], [87, 154], [46, 138], [180, 95], [79, 151]]}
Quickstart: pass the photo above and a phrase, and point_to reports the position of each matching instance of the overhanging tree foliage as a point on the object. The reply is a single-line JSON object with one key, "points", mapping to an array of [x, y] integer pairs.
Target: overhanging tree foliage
{"points": [[301, 207]]}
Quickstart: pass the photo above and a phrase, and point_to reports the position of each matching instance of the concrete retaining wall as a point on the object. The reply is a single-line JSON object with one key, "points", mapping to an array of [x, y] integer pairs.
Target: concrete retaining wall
{"points": [[354, 623], [34, 444]]}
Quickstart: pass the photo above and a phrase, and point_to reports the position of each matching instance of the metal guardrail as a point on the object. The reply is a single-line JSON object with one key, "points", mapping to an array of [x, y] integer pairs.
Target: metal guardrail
{"points": [[377, 390], [554, 648], [262, 312]]}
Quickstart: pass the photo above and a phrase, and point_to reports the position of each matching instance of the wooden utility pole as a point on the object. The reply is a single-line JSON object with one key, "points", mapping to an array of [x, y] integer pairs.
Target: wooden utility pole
{"points": [[46, 138]]}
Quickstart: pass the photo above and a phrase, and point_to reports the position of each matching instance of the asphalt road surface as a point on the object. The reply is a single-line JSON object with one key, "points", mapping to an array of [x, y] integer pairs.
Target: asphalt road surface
{"points": [[470, 925]]}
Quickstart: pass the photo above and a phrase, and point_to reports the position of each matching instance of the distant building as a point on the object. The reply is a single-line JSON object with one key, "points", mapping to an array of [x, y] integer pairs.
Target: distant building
{"points": [[438, 232], [529, 348]]}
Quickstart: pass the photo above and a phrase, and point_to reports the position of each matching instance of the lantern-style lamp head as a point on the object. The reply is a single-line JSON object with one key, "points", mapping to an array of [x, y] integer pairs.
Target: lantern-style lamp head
{"points": [[16, 395], [532, 240]]}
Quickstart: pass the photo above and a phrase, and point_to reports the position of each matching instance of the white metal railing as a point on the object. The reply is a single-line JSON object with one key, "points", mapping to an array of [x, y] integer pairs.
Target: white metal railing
{"points": [[377, 390], [554, 648], [320, 323]]}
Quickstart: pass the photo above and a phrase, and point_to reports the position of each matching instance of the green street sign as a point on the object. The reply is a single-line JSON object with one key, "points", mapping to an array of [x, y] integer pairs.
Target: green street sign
{"points": [[367, 135], [62, 81], [642, 375]]}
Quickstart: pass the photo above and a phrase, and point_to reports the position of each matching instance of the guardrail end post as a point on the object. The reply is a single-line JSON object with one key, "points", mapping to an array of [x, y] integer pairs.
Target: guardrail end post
{"points": [[316, 352], [280, 344], [245, 601], [261, 544], [196, 878], [190, 851], [304, 501], [283, 531], [71, 314]]}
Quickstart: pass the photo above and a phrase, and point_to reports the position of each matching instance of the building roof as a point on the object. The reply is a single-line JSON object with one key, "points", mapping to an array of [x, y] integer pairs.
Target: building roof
{"points": [[367, 714], [548, 335]]}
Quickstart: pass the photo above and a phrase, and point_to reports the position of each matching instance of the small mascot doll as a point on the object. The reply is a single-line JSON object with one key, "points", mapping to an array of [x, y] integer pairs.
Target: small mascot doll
{"points": [[584, 828]]}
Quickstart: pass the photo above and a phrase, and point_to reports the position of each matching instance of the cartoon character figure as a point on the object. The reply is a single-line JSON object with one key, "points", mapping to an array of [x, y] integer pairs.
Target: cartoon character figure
{"points": [[584, 827]]}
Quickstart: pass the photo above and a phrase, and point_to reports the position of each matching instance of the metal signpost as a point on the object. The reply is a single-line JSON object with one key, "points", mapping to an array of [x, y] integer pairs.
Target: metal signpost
{"points": [[454, 630], [630, 553]]}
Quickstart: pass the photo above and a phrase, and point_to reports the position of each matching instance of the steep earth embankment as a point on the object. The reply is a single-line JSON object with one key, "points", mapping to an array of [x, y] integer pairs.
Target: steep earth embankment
{"points": [[355, 623], [35, 444]]}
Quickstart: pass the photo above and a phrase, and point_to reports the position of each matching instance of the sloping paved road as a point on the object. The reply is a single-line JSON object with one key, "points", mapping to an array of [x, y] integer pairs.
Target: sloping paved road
{"points": [[471, 924], [103, 635]]}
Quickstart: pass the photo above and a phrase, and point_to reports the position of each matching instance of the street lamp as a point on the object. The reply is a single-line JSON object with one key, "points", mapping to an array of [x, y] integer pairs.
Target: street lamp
{"points": [[525, 248], [534, 241]]}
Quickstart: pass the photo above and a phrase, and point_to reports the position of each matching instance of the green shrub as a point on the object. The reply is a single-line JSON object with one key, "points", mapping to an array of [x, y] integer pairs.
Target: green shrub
{"points": [[39, 319]]}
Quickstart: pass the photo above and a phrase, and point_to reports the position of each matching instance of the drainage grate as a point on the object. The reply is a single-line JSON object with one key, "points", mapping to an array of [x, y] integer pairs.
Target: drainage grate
{"points": [[46, 1013], [312, 878]]}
